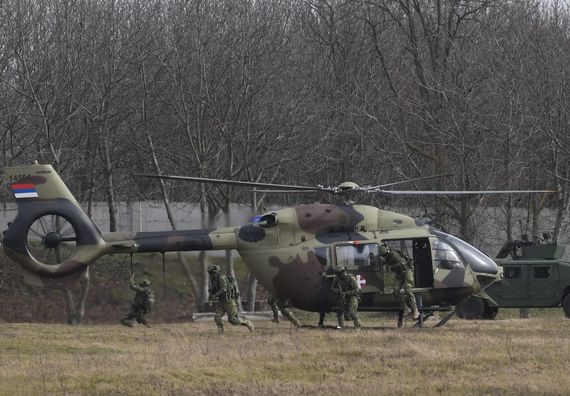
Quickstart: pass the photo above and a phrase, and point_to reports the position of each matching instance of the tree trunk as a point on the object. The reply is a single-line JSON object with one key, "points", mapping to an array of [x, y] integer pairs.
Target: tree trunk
{"points": [[181, 259]]}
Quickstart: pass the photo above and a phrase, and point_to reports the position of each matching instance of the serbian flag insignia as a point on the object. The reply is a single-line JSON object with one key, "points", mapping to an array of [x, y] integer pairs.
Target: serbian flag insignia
{"points": [[24, 190]]}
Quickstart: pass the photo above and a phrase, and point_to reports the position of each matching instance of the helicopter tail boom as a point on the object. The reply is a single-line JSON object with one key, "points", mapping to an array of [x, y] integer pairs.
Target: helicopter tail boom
{"points": [[169, 241]]}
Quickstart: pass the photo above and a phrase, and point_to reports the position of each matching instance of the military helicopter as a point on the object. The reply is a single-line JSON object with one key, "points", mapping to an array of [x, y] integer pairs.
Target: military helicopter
{"points": [[291, 251]]}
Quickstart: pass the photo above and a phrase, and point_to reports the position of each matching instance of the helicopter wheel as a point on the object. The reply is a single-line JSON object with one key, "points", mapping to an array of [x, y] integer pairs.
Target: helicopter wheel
{"points": [[472, 308], [51, 239], [566, 305], [490, 312]]}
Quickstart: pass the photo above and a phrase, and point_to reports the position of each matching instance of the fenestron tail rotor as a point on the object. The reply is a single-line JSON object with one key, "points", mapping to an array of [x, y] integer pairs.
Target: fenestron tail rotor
{"points": [[51, 239]]}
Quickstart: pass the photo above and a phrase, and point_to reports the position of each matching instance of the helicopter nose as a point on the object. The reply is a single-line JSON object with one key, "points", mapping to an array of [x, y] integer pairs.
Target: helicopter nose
{"points": [[477, 260]]}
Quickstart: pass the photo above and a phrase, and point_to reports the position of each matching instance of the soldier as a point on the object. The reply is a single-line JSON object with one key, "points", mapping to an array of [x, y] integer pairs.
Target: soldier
{"points": [[277, 305], [272, 301], [548, 238], [346, 286], [221, 298], [144, 300], [404, 269], [234, 293]]}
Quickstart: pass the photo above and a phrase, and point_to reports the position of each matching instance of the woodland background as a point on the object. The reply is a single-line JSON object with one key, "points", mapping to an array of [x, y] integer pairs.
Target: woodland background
{"points": [[293, 91]]}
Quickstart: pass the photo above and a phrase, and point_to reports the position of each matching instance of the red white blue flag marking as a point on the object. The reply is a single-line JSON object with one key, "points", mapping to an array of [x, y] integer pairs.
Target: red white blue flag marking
{"points": [[24, 190]]}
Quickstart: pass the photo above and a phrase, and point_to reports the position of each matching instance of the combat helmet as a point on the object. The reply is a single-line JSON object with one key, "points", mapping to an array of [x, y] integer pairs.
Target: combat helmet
{"points": [[145, 283], [383, 250], [340, 270], [213, 269]]}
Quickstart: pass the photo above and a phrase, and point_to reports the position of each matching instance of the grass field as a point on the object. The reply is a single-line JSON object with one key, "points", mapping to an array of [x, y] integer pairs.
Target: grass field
{"points": [[506, 356]]}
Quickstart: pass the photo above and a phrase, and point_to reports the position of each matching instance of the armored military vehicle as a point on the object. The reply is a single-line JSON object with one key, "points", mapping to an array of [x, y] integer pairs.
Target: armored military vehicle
{"points": [[532, 276]]}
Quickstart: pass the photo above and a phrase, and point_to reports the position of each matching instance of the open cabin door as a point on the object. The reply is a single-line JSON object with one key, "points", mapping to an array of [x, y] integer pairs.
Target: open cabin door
{"points": [[362, 259], [419, 250]]}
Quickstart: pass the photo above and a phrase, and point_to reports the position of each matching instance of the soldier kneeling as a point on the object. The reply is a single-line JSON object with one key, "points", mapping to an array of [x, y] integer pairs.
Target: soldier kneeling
{"points": [[144, 299]]}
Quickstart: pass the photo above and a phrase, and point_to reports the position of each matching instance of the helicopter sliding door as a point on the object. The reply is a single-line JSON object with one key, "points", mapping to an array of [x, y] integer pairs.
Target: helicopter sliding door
{"points": [[363, 261]]}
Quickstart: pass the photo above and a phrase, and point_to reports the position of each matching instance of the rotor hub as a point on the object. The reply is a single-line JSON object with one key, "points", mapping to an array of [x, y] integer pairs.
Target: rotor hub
{"points": [[52, 240], [347, 186]]}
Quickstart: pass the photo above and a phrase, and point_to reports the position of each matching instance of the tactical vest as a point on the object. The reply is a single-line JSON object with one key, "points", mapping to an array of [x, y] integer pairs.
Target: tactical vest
{"points": [[217, 283], [399, 262], [348, 285], [232, 286]]}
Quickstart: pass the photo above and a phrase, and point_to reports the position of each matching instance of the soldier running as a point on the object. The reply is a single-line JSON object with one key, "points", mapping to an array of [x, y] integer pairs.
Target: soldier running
{"points": [[144, 300], [349, 296], [277, 305], [222, 300], [403, 267]]}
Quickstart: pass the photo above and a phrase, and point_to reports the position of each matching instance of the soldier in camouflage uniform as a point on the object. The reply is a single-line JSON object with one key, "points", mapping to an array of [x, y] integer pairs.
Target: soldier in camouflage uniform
{"points": [[548, 238], [144, 299], [223, 302], [233, 291], [404, 269], [272, 301], [277, 305], [349, 296]]}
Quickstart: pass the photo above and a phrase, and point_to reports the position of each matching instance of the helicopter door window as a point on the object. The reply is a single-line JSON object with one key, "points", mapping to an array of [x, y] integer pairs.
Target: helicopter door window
{"points": [[362, 257]]}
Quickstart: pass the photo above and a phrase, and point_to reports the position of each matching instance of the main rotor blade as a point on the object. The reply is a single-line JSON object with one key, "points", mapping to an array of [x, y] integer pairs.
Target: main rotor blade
{"points": [[406, 181], [462, 192], [290, 191], [235, 182]]}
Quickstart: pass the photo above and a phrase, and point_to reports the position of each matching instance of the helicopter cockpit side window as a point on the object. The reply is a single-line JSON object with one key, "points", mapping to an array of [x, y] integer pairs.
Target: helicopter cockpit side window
{"points": [[445, 257], [267, 220], [361, 257]]}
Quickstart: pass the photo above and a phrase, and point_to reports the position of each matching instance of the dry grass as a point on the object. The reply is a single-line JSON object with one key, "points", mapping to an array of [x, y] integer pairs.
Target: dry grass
{"points": [[508, 356]]}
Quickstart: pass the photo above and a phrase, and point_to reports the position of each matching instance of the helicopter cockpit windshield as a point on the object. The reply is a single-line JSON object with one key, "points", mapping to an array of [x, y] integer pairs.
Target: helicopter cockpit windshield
{"points": [[464, 252]]}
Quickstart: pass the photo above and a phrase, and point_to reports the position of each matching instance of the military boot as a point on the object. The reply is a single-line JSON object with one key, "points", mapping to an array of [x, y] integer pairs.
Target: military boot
{"points": [[357, 323], [127, 322], [400, 322], [249, 325], [340, 319], [220, 328], [416, 314]]}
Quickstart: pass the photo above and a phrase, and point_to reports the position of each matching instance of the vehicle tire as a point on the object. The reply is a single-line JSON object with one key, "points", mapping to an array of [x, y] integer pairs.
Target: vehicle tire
{"points": [[566, 305], [472, 308], [490, 312]]}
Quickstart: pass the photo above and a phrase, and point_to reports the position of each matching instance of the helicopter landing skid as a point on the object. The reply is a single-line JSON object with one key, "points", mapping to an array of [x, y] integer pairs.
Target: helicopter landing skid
{"points": [[420, 322]]}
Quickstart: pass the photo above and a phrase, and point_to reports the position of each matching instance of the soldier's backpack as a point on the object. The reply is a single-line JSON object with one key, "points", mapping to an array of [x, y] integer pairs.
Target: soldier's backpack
{"points": [[232, 287]]}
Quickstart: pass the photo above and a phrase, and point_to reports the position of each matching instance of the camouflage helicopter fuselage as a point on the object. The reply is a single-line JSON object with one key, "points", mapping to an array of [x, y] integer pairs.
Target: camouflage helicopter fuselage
{"points": [[290, 251]]}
